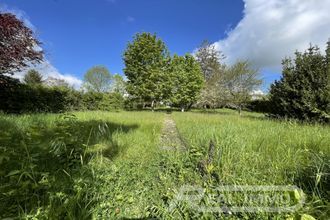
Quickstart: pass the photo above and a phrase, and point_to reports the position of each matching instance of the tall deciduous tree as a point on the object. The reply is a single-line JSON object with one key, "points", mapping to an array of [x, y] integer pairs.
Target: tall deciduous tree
{"points": [[18, 46], [215, 93], [146, 61], [187, 81], [33, 77], [241, 80], [98, 79], [209, 59], [303, 92]]}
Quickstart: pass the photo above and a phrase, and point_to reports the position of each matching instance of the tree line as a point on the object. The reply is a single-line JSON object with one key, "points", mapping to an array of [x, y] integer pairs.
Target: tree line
{"points": [[35, 94], [155, 78], [199, 80]]}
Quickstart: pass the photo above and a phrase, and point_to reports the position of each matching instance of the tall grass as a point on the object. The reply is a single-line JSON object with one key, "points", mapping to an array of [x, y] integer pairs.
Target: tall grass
{"points": [[104, 165], [76, 166], [251, 150]]}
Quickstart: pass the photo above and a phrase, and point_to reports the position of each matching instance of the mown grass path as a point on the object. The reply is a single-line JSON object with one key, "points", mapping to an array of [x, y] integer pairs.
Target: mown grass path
{"points": [[170, 138]]}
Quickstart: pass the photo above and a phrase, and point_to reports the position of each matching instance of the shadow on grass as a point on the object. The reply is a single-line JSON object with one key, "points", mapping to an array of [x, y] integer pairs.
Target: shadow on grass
{"points": [[45, 168]]}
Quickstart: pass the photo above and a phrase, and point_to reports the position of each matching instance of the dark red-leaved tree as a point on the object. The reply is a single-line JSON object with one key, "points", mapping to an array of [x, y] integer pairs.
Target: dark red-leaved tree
{"points": [[18, 46]]}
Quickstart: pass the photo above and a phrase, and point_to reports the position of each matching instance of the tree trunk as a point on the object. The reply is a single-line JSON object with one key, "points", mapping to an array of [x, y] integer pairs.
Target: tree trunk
{"points": [[239, 110], [182, 109], [152, 105], [189, 106]]}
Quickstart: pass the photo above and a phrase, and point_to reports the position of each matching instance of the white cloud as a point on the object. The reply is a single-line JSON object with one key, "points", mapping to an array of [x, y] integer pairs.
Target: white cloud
{"points": [[257, 92], [46, 69], [273, 29], [130, 19]]}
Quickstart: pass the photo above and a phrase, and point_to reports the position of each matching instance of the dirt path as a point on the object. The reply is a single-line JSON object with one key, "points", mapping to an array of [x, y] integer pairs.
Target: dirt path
{"points": [[170, 139]]}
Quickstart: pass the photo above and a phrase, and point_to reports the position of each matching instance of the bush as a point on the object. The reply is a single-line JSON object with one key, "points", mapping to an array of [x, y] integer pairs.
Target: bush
{"points": [[91, 100], [23, 98], [260, 105], [102, 101], [111, 101]]}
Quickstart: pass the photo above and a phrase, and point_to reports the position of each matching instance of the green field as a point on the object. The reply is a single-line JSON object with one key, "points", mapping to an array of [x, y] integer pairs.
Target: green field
{"points": [[101, 165]]}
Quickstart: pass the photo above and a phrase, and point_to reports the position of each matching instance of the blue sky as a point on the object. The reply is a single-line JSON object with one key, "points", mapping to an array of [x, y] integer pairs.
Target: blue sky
{"points": [[78, 34]]}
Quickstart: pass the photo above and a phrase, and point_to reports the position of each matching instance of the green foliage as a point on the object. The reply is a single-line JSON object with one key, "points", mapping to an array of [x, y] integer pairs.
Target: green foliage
{"points": [[33, 77], [102, 101], [239, 81], [146, 60], [91, 100], [260, 105], [303, 92], [186, 81], [112, 101], [119, 84], [26, 98], [230, 86], [20, 98], [98, 79]]}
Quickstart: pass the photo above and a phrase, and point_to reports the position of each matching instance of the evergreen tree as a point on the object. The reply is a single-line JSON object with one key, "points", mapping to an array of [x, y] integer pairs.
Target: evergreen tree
{"points": [[187, 81], [303, 90], [33, 77]]}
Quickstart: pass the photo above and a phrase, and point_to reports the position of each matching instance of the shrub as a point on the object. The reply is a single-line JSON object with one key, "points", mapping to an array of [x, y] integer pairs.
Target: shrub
{"points": [[259, 105], [21, 98], [24, 98], [111, 101]]}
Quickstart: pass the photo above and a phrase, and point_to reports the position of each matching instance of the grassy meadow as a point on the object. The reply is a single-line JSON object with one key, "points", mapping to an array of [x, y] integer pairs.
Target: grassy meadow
{"points": [[101, 165]]}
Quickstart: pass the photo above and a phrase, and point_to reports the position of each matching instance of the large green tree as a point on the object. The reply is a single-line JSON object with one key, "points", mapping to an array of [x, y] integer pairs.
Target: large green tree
{"points": [[303, 92], [98, 79], [146, 62], [187, 81], [33, 77]]}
